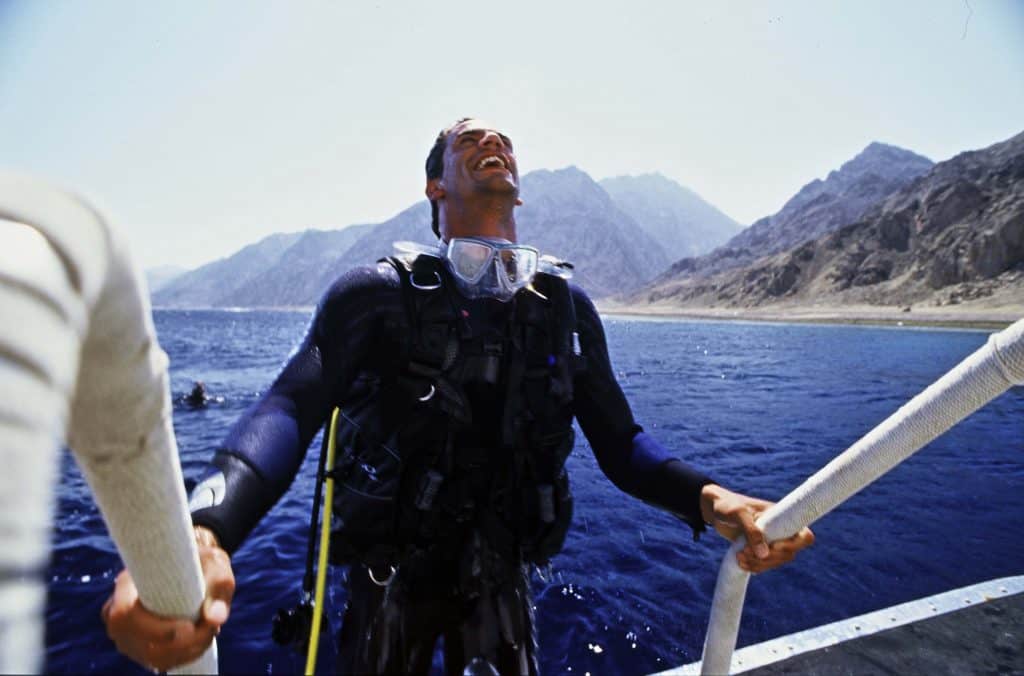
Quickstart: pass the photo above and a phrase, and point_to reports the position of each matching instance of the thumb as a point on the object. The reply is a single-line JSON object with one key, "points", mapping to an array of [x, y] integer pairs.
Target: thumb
{"points": [[215, 611], [754, 534], [220, 585], [125, 592]]}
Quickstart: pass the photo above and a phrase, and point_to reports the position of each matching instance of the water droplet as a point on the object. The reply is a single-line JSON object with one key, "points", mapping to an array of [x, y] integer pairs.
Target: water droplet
{"points": [[86, 578]]}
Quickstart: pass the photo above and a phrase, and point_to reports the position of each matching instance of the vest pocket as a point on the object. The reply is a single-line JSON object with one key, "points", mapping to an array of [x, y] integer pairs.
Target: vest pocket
{"points": [[552, 535], [367, 481], [547, 502]]}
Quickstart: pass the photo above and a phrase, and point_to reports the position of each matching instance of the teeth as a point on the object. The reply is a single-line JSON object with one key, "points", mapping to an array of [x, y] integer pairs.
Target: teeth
{"points": [[490, 160]]}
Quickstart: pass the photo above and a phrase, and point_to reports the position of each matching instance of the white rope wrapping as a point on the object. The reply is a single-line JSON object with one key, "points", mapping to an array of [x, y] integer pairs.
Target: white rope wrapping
{"points": [[978, 379], [79, 359]]}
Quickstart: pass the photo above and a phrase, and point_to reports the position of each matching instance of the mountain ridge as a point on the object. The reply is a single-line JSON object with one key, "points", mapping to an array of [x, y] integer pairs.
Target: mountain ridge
{"points": [[681, 221], [820, 206], [566, 214], [953, 234]]}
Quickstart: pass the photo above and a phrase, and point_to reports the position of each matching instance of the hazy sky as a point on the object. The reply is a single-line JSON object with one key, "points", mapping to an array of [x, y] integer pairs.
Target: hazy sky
{"points": [[205, 126]]}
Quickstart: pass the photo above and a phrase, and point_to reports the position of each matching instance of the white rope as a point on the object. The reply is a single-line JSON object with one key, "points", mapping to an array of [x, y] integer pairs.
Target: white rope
{"points": [[978, 379], [79, 360]]}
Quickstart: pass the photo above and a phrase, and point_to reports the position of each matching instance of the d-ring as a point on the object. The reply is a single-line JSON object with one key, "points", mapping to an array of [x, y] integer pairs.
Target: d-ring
{"points": [[429, 395], [426, 287], [380, 583]]}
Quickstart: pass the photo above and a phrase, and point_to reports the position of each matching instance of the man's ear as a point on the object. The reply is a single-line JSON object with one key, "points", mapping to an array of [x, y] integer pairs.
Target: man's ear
{"points": [[434, 190], [519, 202]]}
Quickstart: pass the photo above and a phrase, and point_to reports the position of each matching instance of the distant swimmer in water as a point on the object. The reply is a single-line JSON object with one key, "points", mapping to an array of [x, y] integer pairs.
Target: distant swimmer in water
{"points": [[197, 397]]}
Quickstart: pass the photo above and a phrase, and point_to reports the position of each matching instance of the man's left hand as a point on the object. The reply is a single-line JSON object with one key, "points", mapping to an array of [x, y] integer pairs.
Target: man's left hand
{"points": [[733, 514]]}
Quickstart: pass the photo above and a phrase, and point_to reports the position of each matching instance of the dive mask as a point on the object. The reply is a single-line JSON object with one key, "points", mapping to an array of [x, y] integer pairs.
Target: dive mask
{"points": [[485, 267]]}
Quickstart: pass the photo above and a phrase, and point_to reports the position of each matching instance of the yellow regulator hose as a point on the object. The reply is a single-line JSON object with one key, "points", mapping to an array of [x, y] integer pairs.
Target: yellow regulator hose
{"points": [[325, 541]]}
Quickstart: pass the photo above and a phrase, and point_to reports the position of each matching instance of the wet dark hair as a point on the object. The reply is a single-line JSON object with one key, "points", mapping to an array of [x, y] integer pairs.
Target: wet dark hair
{"points": [[435, 166]]}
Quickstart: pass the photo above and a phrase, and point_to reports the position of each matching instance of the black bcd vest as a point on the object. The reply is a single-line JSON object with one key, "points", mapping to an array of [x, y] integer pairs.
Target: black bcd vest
{"points": [[413, 467]]}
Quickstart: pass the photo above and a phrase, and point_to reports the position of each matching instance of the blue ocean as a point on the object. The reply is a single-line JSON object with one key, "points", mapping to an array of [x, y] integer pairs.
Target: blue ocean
{"points": [[759, 407]]}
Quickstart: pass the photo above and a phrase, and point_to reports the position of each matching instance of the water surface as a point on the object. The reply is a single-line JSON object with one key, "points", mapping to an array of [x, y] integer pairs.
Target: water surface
{"points": [[758, 406]]}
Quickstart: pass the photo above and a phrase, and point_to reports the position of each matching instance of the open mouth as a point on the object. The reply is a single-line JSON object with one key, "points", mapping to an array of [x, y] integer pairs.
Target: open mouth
{"points": [[491, 162]]}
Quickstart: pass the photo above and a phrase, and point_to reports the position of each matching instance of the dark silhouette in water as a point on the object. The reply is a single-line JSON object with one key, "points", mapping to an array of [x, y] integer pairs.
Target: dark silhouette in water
{"points": [[197, 398]]}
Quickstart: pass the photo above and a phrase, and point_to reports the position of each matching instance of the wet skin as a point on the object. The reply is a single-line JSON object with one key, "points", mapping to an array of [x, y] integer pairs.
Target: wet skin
{"points": [[475, 200]]}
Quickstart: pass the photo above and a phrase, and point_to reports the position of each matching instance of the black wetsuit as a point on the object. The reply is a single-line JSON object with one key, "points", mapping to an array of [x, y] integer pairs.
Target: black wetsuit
{"points": [[361, 326]]}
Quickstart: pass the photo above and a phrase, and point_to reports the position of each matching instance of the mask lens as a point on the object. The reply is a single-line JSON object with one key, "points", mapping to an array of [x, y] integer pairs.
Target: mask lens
{"points": [[519, 265], [469, 258]]}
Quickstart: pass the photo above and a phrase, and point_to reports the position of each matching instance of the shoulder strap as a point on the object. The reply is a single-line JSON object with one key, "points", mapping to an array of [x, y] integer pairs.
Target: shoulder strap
{"points": [[562, 312], [424, 295], [433, 344]]}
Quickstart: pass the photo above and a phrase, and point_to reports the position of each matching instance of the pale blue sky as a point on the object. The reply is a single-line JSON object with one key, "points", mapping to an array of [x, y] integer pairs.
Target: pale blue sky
{"points": [[204, 126]]}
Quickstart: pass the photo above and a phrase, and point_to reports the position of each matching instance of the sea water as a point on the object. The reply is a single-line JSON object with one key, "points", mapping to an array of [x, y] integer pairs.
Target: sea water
{"points": [[759, 407]]}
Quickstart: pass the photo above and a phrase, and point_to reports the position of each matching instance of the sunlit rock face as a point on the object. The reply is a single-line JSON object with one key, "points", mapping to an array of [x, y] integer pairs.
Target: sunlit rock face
{"points": [[818, 208], [953, 233]]}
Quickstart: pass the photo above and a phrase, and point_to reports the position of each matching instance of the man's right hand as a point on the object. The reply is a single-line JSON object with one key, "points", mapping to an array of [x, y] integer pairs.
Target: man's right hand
{"points": [[162, 643]]}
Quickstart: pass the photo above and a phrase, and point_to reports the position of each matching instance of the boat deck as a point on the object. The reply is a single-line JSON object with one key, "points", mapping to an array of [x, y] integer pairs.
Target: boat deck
{"points": [[973, 630]]}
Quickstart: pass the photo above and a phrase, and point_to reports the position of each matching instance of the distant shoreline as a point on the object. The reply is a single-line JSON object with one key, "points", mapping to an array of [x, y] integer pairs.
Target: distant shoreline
{"points": [[949, 317]]}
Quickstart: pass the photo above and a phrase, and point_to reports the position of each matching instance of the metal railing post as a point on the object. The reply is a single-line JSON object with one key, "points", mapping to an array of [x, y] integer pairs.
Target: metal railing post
{"points": [[975, 381]]}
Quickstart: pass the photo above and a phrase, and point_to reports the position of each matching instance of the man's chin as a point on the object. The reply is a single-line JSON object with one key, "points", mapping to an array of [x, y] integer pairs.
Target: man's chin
{"points": [[498, 183]]}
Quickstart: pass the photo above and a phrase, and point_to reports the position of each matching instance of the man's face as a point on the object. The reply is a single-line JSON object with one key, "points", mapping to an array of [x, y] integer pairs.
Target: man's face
{"points": [[478, 158]]}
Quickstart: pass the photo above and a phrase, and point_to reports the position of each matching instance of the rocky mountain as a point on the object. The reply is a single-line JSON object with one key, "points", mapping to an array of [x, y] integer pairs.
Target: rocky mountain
{"points": [[676, 217], [299, 272], [162, 275], [565, 213], [212, 284], [412, 224], [819, 207], [953, 234]]}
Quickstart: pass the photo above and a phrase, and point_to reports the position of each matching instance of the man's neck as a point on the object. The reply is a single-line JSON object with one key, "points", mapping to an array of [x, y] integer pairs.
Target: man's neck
{"points": [[481, 217]]}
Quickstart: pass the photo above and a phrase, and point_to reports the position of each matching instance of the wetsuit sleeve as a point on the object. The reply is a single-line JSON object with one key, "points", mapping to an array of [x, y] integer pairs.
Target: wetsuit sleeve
{"points": [[632, 459], [263, 451]]}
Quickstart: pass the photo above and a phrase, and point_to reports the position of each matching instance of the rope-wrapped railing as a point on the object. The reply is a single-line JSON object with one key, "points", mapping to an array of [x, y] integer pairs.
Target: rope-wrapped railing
{"points": [[978, 379], [79, 362]]}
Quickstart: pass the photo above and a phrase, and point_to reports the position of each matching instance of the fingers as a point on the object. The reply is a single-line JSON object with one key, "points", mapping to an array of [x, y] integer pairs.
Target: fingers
{"points": [[220, 585], [188, 644], [164, 643], [215, 612], [140, 634], [123, 608], [220, 589], [734, 514], [780, 552], [125, 592], [756, 542]]}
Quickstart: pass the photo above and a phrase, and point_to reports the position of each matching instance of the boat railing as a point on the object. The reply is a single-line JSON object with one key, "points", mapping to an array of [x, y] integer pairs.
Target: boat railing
{"points": [[981, 377]]}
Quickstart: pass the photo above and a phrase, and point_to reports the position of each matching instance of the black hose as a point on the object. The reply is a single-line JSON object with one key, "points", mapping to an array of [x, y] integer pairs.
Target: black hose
{"points": [[307, 579]]}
